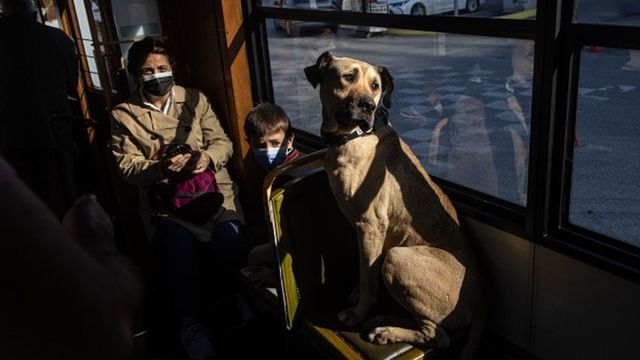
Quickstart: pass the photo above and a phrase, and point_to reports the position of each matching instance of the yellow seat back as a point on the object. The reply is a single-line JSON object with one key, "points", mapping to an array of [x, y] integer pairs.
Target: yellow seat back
{"points": [[315, 244]]}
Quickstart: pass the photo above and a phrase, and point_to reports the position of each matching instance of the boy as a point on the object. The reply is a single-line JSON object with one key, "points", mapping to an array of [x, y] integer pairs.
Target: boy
{"points": [[270, 138]]}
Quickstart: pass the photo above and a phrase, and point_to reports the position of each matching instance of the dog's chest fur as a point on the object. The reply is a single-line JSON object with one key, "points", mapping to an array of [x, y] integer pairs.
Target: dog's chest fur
{"points": [[364, 173], [356, 175]]}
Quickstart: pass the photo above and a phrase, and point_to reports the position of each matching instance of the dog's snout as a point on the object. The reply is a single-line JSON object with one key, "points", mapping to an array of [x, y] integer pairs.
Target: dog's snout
{"points": [[367, 105]]}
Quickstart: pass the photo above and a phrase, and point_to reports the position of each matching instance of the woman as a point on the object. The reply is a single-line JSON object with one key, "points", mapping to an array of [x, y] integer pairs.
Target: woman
{"points": [[160, 113]]}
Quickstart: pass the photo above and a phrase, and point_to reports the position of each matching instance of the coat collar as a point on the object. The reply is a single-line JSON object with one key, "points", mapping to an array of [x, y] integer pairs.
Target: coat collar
{"points": [[139, 109]]}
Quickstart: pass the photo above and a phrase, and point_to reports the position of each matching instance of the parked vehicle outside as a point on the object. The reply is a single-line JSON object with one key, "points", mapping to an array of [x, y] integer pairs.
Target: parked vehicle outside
{"points": [[431, 7], [518, 5], [295, 27]]}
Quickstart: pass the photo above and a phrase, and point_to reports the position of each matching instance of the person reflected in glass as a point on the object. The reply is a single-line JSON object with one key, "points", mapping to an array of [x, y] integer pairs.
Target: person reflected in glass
{"points": [[516, 85], [471, 151], [435, 149], [460, 140]]}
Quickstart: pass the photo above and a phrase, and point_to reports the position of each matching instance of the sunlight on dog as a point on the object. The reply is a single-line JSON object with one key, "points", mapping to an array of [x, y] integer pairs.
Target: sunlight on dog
{"points": [[408, 231]]}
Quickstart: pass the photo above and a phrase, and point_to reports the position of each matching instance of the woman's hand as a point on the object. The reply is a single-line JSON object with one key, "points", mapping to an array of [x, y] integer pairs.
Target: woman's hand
{"points": [[176, 163], [202, 164]]}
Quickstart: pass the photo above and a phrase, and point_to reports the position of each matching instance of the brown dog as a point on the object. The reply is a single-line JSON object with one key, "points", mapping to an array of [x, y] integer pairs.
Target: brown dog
{"points": [[408, 230]]}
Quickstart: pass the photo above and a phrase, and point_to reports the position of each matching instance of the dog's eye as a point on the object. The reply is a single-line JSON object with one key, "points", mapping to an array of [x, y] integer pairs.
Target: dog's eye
{"points": [[375, 86], [349, 78]]}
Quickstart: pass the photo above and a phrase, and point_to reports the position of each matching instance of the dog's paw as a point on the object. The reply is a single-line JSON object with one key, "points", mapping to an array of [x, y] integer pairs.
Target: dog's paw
{"points": [[382, 335], [351, 317]]}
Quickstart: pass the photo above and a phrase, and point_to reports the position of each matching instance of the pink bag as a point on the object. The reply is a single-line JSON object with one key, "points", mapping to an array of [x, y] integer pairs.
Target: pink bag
{"points": [[194, 197]]}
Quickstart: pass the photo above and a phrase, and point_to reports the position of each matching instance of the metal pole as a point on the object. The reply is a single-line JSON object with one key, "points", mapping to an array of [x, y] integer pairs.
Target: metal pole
{"points": [[455, 7]]}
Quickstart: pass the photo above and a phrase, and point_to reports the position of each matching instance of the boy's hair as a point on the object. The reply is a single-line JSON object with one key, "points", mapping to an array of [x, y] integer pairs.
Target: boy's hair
{"points": [[267, 118]]}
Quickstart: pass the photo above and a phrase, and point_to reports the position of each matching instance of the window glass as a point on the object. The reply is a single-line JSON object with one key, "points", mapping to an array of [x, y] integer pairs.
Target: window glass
{"points": [[50, 14], [513, 9], [329, 5], [619, 12], [134, 20], [462, 103], [87, 40], [605, 183]]}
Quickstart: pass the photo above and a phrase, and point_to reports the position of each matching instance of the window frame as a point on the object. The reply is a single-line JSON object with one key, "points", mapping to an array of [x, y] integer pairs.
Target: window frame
{"points": [[557, 41], [610, 254], [83, 55], [106, 69]]}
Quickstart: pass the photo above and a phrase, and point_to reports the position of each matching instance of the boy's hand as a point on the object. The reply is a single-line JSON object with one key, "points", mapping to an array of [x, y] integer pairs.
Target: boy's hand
{"points": [[202, 164]]}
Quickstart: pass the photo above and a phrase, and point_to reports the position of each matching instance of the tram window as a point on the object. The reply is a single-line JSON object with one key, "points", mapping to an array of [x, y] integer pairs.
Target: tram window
{"points": [[605, 190], [133, 22], [619, 12], [522, 9], [86, 52], [136, 20], [463, 103], [49, 13], [301, 4]]}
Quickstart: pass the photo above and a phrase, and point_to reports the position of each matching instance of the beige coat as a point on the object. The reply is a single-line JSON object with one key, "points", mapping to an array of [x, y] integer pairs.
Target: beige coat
{"points": [[138, 132]]}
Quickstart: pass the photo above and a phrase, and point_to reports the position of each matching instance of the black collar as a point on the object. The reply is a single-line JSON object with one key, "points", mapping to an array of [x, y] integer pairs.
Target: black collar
{"points": [[330, 139], [381, 120]]}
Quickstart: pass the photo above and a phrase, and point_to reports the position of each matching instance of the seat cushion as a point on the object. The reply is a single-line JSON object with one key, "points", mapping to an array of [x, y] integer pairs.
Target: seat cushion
{"points": [[326, 333]]}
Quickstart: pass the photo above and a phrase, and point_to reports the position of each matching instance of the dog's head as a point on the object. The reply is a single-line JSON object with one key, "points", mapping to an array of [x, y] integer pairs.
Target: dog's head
{"points": [[350, 91]]}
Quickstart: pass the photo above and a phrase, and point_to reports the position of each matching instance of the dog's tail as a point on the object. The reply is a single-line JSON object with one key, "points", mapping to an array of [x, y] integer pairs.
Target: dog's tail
{"points": [[476, 331]]}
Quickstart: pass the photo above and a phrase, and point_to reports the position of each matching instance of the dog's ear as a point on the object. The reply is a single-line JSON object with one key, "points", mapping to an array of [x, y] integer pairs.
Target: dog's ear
{"points": [[387, 85], [315, 72]]}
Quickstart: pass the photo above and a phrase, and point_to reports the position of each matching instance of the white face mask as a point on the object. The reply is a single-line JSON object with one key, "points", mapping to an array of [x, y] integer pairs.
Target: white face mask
{"points": [[271, 157]]}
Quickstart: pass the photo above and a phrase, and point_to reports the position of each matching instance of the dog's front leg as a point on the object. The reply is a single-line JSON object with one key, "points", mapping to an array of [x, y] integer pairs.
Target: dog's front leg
{"points": [[370, 240]]}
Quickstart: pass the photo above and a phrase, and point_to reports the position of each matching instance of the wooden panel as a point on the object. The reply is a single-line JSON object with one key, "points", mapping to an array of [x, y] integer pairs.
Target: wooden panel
{"points": [[208, 40], [240, 80]]}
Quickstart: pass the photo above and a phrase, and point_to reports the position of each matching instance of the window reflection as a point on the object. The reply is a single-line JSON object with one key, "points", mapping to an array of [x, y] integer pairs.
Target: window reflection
{"points": [[434, 7], [50, 14], [605, 190], [621, 12], [462, 103], [513, 9]]}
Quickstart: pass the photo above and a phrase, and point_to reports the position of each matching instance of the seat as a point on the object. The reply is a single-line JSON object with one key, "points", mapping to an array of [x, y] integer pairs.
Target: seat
{"points": [[318, 263]]}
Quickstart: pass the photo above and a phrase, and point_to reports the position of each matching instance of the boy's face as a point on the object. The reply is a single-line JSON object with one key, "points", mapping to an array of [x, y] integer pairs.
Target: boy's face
{"points": [[273, 140]]}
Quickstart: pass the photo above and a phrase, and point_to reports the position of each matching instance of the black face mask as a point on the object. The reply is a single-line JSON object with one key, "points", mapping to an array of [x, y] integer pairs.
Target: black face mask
{"points": [[159, 84]]}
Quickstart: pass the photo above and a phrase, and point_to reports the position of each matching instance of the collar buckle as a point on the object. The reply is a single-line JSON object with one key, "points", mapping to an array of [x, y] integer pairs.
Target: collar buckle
{"points": [[330, 139]]}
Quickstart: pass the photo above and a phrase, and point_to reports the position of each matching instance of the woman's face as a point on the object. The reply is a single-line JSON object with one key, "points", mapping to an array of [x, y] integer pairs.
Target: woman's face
{"points": [[155, 63]]}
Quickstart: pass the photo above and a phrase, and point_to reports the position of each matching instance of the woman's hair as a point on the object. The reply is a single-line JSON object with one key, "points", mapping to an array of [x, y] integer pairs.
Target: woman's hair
{"points": [[266, 118], [141, 49]]}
